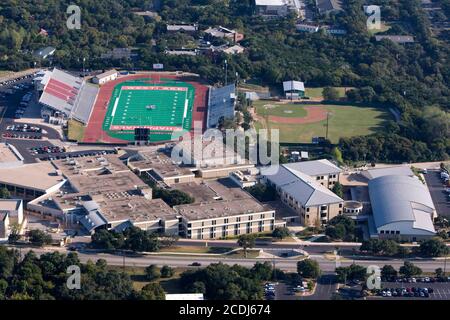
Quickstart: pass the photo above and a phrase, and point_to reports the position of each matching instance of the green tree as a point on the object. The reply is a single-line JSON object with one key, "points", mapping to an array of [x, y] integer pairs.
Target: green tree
{"points": [[336, 153], [338, 190], [352, 272], [4, 193], [152, 272], [410, 270], [262, 192], [388, 272], [167, 272], [330, 94], [433, 248], [439, 273], [107, 240], [39, 238], [152, 291], [14, 235], [280, 232], [246, 241], [173, 197], [308, 268]]}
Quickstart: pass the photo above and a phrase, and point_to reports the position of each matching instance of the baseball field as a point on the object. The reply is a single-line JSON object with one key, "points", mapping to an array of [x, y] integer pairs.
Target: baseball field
{"points": [[301, 122]]}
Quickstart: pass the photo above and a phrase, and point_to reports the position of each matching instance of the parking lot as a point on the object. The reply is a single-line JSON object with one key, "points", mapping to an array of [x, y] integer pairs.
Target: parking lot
{"points": [[440, 290], [440, 197]]}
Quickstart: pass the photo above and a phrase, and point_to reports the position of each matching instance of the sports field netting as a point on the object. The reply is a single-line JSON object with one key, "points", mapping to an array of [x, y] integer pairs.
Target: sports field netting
{"points": [[163, 107]]}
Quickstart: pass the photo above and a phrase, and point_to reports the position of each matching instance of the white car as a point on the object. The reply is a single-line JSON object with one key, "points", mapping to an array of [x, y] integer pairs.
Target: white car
{"points": [[389, 294]]}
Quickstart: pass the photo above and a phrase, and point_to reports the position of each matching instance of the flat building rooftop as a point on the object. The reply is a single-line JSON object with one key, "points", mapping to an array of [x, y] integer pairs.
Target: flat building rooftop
{"points": [[218, 209]]}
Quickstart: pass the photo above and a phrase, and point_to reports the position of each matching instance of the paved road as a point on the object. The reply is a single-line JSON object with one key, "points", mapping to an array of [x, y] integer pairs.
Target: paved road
{"points": [[186, 260], [310, 248], [326, 286], [440, 198]]}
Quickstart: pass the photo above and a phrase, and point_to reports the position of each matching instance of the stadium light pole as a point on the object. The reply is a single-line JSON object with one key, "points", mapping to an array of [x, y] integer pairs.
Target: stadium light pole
{"points": [[328, 122]]}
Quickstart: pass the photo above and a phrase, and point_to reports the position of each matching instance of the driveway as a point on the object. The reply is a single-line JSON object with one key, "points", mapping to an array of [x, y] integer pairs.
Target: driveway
{"points": [[326, 286]]}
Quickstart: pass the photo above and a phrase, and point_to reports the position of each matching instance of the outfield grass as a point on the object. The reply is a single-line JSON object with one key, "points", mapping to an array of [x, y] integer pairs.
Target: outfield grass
{"points": [[344, 121], [268, 108], [75, 130], [316, 93]]}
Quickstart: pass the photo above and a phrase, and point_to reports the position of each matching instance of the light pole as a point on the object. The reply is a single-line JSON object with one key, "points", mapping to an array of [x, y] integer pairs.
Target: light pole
{"points": [[445, 265], [226, 72], [328, 124]]}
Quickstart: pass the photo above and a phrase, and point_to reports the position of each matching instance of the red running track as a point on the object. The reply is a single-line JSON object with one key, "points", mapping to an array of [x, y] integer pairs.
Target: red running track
{"points": [[94, 131]]}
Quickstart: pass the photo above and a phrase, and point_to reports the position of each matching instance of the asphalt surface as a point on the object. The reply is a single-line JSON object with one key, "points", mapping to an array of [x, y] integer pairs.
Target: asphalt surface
{"points": [[326, 286], [311, 249], [441, 290], [440, 198]]}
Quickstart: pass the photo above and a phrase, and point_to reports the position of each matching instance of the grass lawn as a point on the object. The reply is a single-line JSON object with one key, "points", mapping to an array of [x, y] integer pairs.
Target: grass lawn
{"points": [[76, 130], [253, 87], [345, 121], [251, 254], [4, 73], [217, 250], [316, 93], [137, 275], [269, 108]]}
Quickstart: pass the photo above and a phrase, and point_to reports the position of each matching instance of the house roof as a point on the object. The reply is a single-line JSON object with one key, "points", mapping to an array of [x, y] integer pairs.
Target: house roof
{"points": [[106, 74], [300, 186], [328, 5], [293, 85], [395, 38], [43, 52], [314, 168], [401, 199]]}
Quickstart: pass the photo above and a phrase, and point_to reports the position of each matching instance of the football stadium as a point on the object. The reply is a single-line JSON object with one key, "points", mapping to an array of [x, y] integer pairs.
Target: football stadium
{"points": [[112, 107], [162, 107]]}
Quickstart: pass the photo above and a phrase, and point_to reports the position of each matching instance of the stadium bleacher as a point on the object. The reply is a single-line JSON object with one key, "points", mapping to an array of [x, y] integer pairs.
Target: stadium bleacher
{"points": [[69, 95]]}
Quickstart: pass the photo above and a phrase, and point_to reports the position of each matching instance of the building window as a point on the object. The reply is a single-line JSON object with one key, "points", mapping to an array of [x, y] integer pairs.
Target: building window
{"points": [[238, 219], [323, 208], [397, 232], [340, 205], [214, 222], [307, 209], [381, 231], [226, 220], [317, 178]]}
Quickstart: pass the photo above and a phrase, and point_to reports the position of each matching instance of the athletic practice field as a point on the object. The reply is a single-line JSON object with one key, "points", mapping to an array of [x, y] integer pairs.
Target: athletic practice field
{"points": [[300, 122]]}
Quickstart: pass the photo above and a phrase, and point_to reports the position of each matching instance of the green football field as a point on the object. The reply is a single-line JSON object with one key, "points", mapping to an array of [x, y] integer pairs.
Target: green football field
{"points": [[161, 107]]}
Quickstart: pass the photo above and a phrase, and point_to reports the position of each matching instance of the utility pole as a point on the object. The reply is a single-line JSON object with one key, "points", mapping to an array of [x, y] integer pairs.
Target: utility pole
{"points": [[226, 72], [292, 90], [445, 265], [123, 265]]}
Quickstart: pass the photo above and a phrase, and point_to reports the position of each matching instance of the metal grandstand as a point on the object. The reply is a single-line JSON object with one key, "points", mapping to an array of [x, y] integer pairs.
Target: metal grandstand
{"points": [[69, 95]]}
